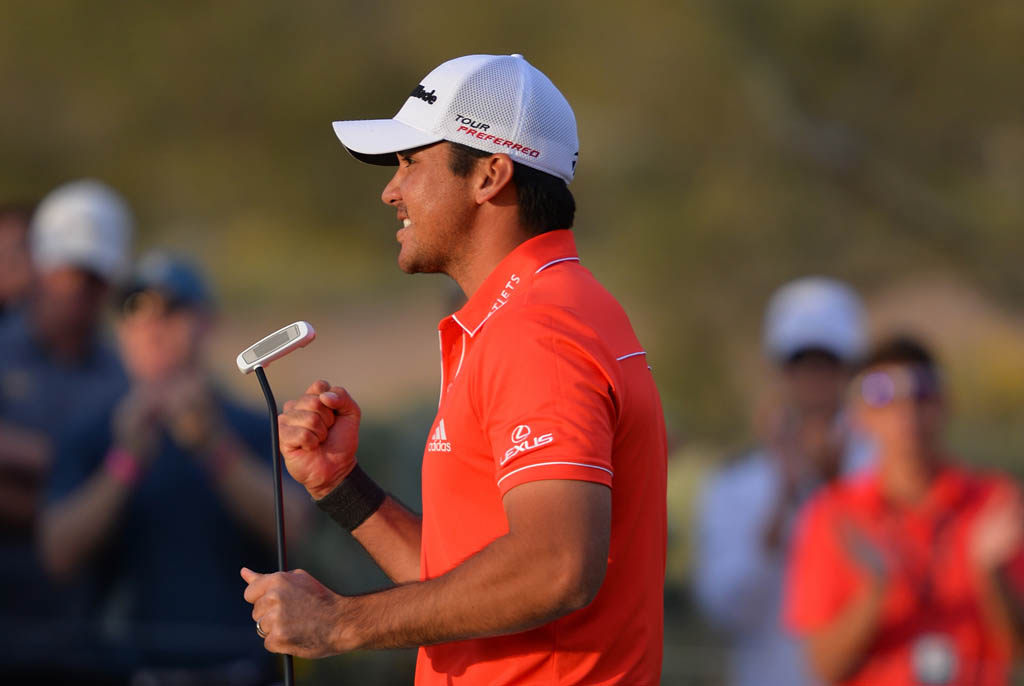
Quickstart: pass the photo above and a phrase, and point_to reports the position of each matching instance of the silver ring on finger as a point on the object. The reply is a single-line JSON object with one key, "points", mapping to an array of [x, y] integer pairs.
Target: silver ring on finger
{"points": [[259, 630]]}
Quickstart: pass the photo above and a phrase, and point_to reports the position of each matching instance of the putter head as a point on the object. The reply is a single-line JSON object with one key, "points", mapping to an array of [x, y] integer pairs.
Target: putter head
{"points": [[274, 346]]}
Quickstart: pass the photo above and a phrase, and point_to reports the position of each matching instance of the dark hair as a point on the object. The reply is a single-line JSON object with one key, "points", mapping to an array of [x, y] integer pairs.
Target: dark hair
{"points": [[813, 353], [899, 350], [545, 201]]}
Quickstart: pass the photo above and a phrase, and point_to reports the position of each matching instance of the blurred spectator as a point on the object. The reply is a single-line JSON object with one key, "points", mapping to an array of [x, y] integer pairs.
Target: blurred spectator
{"points": [[15, 263], [912, 573], [53, 366], [813, 332], [166, 494]]}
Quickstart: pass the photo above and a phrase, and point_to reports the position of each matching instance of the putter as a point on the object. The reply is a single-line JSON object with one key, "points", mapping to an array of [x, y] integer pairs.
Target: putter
{"points": [[255, 358]]}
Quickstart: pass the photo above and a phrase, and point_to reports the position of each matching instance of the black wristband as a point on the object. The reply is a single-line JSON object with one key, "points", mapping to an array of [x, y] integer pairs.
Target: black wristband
{"points": [[353, 500]]}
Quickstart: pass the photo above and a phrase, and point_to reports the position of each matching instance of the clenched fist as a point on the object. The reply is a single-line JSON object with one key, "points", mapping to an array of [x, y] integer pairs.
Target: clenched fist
{"points": [[319, 437]]}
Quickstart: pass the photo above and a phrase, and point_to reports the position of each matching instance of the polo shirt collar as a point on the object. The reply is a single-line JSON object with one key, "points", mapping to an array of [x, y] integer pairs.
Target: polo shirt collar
{"points": [[512, 275]]}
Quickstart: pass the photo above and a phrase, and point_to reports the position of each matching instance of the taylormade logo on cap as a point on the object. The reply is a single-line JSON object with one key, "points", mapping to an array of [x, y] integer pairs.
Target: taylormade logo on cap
{"points": [[421, 93], [495, 103]]}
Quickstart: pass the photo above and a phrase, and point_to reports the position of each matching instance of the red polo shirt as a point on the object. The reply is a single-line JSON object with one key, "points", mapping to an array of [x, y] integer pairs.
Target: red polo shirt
{"points": [[543, 378], [932, 623]]}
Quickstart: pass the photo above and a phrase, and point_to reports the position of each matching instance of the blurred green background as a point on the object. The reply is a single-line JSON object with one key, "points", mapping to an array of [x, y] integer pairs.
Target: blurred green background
{"points": [[726, 147]]}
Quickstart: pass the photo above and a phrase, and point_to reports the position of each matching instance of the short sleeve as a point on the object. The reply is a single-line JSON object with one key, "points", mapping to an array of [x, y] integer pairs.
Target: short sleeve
{"points": [[819, 580], [544, 401]]}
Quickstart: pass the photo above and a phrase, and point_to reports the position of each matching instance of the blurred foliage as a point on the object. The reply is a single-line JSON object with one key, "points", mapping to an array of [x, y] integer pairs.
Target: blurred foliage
{"points": [[727, 146]]}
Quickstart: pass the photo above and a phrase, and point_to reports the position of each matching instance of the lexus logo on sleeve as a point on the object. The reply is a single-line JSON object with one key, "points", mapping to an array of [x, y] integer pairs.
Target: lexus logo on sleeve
{"points": [[520, 433], [522, 443]]}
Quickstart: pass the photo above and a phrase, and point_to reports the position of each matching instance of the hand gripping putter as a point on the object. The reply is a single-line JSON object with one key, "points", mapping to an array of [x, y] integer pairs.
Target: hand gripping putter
{"points": [[256, 357]]}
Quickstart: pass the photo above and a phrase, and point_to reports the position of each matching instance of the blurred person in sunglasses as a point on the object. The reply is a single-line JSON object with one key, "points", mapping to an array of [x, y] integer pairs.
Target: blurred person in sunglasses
{"points": [[813, 333], [158, 498], [912, 573]]}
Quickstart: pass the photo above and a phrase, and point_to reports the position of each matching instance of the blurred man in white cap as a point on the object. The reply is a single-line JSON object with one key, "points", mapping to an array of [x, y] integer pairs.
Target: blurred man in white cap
{"points": [[53, 364], [814, 333]]}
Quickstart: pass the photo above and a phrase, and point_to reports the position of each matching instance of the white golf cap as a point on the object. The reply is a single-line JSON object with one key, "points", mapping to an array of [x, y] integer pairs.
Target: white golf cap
{"points": [[814, 313], [495, 103], [85, 224]]}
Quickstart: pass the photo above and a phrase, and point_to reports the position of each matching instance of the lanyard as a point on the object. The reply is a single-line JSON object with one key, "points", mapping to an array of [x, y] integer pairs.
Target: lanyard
{"points": [[921, 560]]}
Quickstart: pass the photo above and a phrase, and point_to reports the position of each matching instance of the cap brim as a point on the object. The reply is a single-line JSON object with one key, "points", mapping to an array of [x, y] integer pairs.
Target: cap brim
{"points": [[375, 141]]}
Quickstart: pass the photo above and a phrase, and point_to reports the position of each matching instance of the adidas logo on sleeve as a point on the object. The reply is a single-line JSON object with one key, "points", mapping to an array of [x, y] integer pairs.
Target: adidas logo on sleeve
{"points": [[439, 442]]}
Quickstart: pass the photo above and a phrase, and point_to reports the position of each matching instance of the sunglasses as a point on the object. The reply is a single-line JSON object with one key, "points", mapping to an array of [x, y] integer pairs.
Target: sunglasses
{"points": [[150, 303], [880, 389]]}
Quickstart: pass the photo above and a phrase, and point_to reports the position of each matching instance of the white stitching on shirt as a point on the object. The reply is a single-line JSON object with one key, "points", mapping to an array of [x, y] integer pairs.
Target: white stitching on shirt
{"points": [[548, 464], [473, 332], [440, 347]]}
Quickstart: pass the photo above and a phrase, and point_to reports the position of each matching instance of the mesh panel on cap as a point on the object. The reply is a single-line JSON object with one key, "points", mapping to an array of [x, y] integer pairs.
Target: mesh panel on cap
{"points": [[551, 120], [491, 96], [503, 104]]}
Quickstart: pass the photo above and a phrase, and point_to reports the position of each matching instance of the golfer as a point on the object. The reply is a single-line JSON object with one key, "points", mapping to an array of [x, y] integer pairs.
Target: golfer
{"points": [[540, 554]]}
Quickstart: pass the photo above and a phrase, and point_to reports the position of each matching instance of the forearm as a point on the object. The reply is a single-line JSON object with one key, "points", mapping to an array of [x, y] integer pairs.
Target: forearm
{"points": [[26, 452], [1002, 605], [551, 562], [837, 650], [773, 532], [391, 536], [492, 593], [247, 488], [71, 530], [18, 503]]}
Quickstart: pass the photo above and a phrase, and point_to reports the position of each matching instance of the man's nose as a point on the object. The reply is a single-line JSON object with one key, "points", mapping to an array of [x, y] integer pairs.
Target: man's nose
{"points": [[390, 194]]}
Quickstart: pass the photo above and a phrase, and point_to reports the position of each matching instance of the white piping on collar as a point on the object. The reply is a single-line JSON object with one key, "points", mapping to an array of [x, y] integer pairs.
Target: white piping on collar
{"points": [[462, 356], [553, 262], [440, 348], [473, 332], [626, 357]]}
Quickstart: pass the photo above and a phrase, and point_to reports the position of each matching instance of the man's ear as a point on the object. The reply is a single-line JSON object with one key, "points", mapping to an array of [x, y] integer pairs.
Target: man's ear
{"points": [[493, 175]]}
